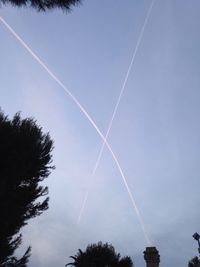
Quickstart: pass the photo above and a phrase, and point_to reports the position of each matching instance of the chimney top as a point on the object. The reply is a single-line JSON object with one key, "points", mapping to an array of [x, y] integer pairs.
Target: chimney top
{"points": [[152, 257]]}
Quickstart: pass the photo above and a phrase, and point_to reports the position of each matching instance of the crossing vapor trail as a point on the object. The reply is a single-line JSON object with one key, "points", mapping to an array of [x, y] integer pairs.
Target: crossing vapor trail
{"points": [[116, 108], [75, 100]]}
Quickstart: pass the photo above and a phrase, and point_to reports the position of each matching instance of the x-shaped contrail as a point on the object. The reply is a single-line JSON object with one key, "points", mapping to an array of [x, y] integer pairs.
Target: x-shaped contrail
{"points": [[83, 110]]}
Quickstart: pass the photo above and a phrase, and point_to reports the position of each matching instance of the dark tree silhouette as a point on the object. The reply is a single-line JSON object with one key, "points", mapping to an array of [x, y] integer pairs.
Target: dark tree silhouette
{"points": [[194, 262], [14, 262], [43, 5], [100, 255], [25, 161]]}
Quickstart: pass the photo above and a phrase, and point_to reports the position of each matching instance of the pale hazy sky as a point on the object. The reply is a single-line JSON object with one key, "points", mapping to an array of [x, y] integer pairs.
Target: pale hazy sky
{"points": [[155, 135]]}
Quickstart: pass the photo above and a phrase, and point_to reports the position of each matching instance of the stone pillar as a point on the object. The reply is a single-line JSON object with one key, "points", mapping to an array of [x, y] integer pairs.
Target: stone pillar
{"points": [[152, 257]]}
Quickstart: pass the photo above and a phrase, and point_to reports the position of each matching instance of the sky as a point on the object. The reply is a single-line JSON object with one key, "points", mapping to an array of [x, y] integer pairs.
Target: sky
{"points": [[155, 134]]}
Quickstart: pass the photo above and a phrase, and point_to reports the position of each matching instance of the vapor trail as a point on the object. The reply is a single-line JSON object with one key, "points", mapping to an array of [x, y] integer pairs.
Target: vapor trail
{"points": [[53, 76], [116, 107]]}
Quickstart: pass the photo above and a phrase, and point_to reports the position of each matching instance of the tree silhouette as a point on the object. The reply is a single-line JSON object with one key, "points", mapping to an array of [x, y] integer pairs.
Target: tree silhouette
{"points": [[194, 262], [43, 5], [14, 262], [100, 255], [25, 158]]}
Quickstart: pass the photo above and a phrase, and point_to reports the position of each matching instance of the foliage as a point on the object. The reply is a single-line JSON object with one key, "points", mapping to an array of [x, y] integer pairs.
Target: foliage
{"points": [[13, 262], [194, 262], [100, 255], [25, 158], [43, 5]]}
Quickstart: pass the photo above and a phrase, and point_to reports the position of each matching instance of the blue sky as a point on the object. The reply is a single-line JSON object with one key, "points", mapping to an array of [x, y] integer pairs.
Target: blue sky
{"points": [[155, 134]]}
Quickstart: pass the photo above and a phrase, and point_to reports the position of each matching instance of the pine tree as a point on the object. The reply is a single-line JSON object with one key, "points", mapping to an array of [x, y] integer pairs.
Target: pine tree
{"points": [[25, 161]]}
